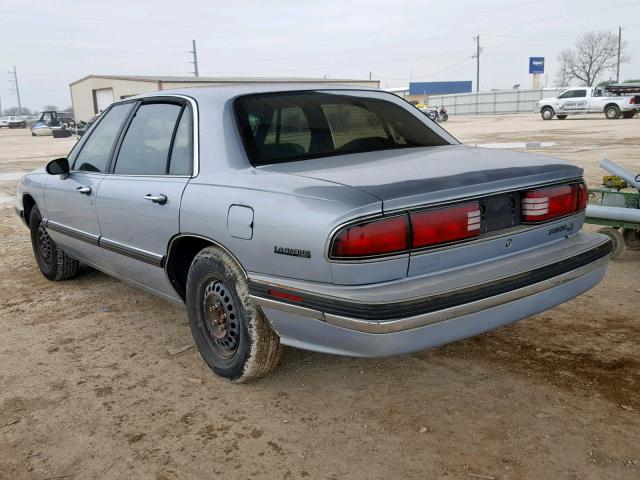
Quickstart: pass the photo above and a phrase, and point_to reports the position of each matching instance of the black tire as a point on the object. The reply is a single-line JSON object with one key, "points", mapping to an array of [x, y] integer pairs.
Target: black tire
{"points": [[618, 242], [630, 114], [52, 261], [631, 238], [561, 117], [23, 125], [612, 112], [231, 333], [547, 113]]}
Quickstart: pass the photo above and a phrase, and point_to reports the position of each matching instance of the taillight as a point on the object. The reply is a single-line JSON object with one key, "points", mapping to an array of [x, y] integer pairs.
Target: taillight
{"points": [[444, 225], [583, 196], [632, 101], [387, 235], [553, 202]]}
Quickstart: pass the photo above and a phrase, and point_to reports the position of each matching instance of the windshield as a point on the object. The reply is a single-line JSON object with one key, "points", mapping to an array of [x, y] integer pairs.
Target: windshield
{"points": [[284, 127]]}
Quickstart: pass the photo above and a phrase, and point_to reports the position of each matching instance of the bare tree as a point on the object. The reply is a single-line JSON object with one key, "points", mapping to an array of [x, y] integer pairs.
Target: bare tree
{"points": [[594, 54]]}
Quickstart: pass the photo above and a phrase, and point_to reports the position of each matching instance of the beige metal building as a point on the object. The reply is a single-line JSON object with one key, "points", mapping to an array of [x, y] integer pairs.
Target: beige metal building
{"points": [[93, 93]]}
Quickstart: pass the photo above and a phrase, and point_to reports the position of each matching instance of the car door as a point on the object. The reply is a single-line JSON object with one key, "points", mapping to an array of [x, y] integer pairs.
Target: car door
{"points": [[138, 203], [70, 201], [597, 100]]}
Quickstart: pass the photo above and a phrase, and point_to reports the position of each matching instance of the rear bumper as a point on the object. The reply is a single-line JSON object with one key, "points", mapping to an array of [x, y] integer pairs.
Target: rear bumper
{"points": [[351, 325]]}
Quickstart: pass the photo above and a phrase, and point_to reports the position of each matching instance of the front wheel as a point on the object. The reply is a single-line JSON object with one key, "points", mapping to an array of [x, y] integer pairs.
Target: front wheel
{"points": [[612, 112], [547, 113], [52, 261], [231, 333]]}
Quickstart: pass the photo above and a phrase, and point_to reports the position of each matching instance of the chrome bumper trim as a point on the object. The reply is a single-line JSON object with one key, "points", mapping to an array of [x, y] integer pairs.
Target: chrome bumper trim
{"points": [[408, 323]]}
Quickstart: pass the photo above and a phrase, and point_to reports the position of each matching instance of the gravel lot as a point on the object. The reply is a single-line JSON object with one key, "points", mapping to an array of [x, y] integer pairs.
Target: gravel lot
{"points": [[90, 390]]}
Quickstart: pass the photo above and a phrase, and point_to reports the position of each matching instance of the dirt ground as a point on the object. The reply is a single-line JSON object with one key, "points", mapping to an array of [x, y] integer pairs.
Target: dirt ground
{"points": [[89, 390]]}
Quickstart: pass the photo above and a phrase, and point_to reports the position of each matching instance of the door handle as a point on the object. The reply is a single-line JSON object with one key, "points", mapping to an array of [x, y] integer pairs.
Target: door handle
{"points": [[85, 190], [160, 198]]}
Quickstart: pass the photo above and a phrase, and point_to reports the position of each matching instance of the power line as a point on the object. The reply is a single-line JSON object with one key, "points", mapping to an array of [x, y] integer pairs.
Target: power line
{"points": [[431, 38]]}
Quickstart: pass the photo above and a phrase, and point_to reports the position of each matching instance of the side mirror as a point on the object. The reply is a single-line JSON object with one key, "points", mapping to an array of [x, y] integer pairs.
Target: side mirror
{"points": [[59, 166]]}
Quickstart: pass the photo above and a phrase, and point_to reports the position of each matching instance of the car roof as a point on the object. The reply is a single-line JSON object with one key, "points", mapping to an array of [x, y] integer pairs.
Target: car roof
{"points": [[226, 92]]}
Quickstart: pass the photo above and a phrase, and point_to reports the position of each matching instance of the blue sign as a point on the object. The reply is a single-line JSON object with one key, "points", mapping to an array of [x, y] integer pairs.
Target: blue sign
{"points": [[439, 88], [536, 64]]}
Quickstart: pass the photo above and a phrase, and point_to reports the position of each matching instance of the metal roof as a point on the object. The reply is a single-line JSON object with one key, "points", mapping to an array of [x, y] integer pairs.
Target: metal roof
{"points": [[187, 79]]}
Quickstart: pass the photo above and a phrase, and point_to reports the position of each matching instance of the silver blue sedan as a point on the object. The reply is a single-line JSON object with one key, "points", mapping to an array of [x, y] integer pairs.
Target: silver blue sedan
{"points": [[333, 219]]}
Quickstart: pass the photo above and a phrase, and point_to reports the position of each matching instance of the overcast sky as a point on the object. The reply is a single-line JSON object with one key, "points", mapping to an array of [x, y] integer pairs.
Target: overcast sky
{"points": [[54, 43]]}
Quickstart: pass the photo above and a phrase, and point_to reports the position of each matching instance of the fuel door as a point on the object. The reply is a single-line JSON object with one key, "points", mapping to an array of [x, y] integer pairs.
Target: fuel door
{"points": [[240, 222]]}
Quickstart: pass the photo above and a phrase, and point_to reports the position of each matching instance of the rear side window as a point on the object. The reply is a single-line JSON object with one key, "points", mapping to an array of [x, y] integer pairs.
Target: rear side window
{"points": [[96, 151], [146, 145], [284, 127], [182, 152]]}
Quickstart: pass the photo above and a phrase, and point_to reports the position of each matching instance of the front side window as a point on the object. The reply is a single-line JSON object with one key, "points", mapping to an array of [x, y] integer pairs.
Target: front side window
{"points": [[567, 94], [284, 127], [146, 145], [96, 151]]}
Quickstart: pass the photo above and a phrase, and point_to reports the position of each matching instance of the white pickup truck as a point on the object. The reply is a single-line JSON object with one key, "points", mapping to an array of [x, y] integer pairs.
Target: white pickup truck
{"points": [[589, 100]]}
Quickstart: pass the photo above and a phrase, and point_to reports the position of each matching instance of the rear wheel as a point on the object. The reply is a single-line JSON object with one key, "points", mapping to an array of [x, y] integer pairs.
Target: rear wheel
{"points": [[547, 113], [561, 117], [52, 261], [612, 112], [618, 242], [631, 238], [230, 331]]}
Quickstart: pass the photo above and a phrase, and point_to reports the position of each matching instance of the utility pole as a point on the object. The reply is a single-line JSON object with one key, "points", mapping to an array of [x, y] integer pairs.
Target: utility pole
{"points": [[195, 58], [13, 80], [369, 74], [619, 48], [477, 57]]}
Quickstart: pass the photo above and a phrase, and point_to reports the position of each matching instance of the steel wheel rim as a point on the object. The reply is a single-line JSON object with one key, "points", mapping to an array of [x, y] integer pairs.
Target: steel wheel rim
{"points": [[44, 245], [220, 319]]}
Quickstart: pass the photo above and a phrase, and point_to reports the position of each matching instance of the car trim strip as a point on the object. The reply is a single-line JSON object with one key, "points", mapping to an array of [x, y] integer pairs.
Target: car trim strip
{"points": [[341, 308], [73, 232], [142, 255], [421, 320], [135, 253]]}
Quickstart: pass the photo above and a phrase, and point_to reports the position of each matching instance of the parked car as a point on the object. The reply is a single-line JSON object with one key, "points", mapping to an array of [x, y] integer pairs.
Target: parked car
{"points": [[584, 100], [17, 122], [50, 120], [4, 122], [333, 219]]}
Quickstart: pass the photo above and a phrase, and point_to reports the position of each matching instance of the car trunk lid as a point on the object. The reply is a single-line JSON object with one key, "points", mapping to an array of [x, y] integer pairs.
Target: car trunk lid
{"points": [[413, 177]]}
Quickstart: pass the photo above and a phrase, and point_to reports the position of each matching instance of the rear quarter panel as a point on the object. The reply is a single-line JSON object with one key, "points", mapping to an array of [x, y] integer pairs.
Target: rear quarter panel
{"points": [[289, 212]]}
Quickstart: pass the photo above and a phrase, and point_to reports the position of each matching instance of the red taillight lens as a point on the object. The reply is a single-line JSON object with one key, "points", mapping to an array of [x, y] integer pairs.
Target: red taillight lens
{"points": [[445, 225], [548, 203], [583, 196], [632, 101], [378, 237]]}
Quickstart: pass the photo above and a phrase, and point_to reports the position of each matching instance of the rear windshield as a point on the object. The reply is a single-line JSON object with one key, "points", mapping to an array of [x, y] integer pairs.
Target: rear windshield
{"points": [[285, 127]]}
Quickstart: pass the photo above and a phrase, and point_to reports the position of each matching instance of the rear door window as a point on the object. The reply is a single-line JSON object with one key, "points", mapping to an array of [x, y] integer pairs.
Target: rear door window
{"points": [[146, 146], [96, 151]]}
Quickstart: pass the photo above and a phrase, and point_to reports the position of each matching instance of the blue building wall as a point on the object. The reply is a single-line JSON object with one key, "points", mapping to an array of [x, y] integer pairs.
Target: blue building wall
{"points": [[439, 88]]}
